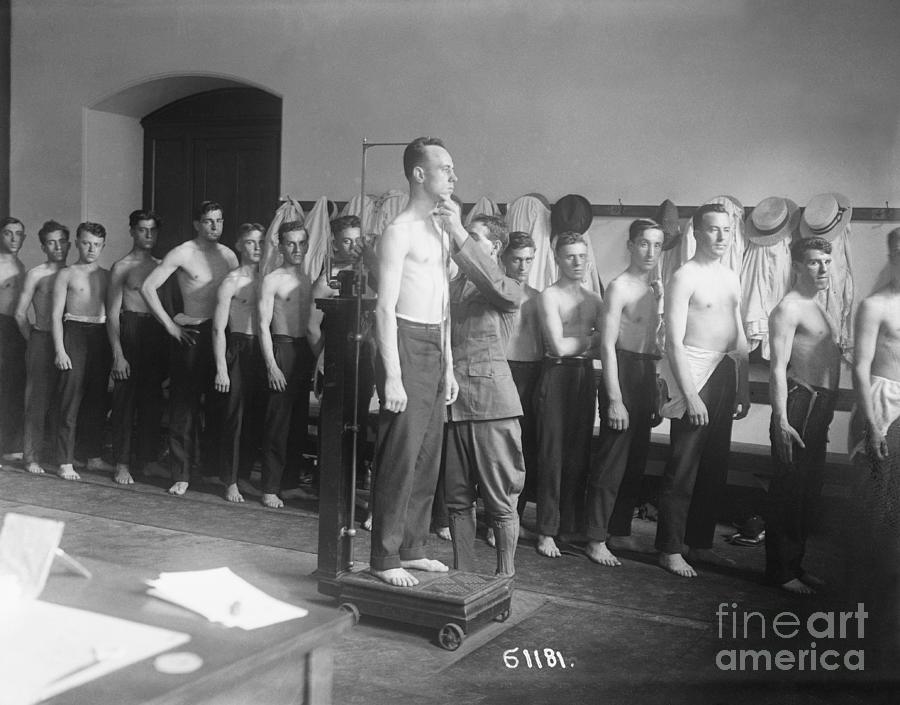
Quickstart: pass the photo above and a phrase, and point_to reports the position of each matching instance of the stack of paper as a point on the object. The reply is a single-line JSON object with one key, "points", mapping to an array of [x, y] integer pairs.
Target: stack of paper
{"points": [[221, 596]]}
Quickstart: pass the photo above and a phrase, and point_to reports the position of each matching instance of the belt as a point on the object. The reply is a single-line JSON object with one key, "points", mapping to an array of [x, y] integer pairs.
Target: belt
{"points": [[569, 361], [137, 314], [637, 355], [523, 363], [248, 336], [279, 338], [405, 323]]}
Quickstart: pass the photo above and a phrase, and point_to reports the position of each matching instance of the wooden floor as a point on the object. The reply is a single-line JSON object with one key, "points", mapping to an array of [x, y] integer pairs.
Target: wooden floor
{"points": [[633, 634]]}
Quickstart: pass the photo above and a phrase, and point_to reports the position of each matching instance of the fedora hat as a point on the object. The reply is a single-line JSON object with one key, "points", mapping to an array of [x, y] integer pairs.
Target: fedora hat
{"points": [[667, 217], [772, 220], [826, 216], [571, 213]]}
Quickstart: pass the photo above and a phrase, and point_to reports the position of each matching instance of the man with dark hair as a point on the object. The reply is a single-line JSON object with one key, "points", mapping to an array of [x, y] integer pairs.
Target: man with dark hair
{"points": [[524, 353], [283, 306], [37, 293], [12, 344], [805, 372], [82, 351], [138, 350], [199, 266], [626, 398], [415, 365], [570, 323], [239, 367], [704, 341], [483, 437]]}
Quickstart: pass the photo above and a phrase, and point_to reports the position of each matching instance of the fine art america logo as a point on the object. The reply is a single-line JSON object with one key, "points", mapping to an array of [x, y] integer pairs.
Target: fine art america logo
{"points": [[823, 636]]}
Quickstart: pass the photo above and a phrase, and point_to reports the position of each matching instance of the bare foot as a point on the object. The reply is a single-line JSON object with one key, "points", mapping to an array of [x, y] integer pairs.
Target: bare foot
{"points": [[155, 469], [367, 524], [546, 546], [67, 472], [396, 577], [527, 534], [812, 580], [123, 475], [34, 468], [489, 537], [272, 501], [429, 565], [178, 489], [599, 553], [99, 464], [675, 563], [233, 494], [443, 533], [797, 587], [707, 555]]}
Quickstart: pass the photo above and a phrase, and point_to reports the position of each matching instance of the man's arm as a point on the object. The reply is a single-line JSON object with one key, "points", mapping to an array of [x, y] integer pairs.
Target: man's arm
{"points": [[782, 327], [868, 323], [156, 278], [60, 289], [559, 344], [616, 413], [320, 290], [677, 304], [224, 294], [502, 292], [392, 252], [265, 307], [742, 396], [23, 302], [120, 367]]}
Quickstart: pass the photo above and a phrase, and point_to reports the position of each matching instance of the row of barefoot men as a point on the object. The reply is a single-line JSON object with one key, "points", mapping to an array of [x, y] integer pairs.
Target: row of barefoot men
{"points": [[478, 375]]}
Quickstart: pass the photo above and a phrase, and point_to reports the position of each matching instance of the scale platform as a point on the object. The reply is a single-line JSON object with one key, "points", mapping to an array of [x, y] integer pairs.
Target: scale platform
{"points": [[454, 603]]}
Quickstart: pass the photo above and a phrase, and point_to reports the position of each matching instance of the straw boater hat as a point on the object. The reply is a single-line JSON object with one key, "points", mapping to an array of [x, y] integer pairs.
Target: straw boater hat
{"points": [[772, 220], [826, 216], [667, 217]]}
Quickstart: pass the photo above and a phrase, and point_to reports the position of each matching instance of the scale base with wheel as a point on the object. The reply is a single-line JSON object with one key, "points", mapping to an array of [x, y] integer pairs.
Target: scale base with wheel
{"points": [[454, 603]]}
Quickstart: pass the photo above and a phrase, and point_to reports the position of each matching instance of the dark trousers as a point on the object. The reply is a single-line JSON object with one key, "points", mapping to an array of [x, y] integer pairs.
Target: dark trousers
{"points": [[81, 391], [12, 385], [191, 400], [42, 380], [526, 376], [296, 362], [697, 468], [615, 480], [796, 487], [245, 407], [565, 423], [137, 402], [408, 453]]}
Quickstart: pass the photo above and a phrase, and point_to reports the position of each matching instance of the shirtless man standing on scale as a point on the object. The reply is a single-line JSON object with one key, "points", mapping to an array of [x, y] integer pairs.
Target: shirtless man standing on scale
{"points": [[37, 293], [239, 367], [414, 370], [570, 323], [139, 351], [704, 342], [805, 372], [629, 353], [200, 265]]}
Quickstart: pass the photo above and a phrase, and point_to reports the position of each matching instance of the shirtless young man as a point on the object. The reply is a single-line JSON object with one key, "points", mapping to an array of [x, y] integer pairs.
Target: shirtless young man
{"points": [[139, 351], [524, 353], [239, 367], [78, 321], [12, 344], [704, 342], [199, 265], [283, 305], [37, 293], [414, 370], [629, 353], [570, 323], [805, 372]]}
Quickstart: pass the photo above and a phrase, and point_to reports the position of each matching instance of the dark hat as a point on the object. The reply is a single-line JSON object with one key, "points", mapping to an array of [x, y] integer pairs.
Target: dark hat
{"points": [[826, 216], [571, 213], [667, 217]]}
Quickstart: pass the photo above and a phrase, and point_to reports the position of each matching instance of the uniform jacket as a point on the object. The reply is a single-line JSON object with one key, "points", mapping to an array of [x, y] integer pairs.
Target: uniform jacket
{"points": [[483, 302]]}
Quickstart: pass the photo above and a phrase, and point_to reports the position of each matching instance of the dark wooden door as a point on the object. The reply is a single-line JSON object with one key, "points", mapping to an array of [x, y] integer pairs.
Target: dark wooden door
{"points": [[223, 146]]}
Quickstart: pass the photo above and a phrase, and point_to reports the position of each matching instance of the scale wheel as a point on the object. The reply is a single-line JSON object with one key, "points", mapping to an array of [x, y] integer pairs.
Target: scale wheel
{"points": [[503, 616], [451, 636], [350, 608]]}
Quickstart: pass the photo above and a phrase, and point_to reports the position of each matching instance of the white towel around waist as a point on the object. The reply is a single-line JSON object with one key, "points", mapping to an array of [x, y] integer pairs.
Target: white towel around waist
{"points": [[885, 410], [702, 364]]}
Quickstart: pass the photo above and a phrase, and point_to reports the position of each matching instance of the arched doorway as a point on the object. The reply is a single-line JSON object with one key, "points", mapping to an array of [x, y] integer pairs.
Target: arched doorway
{"points": [[222, 145]]}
